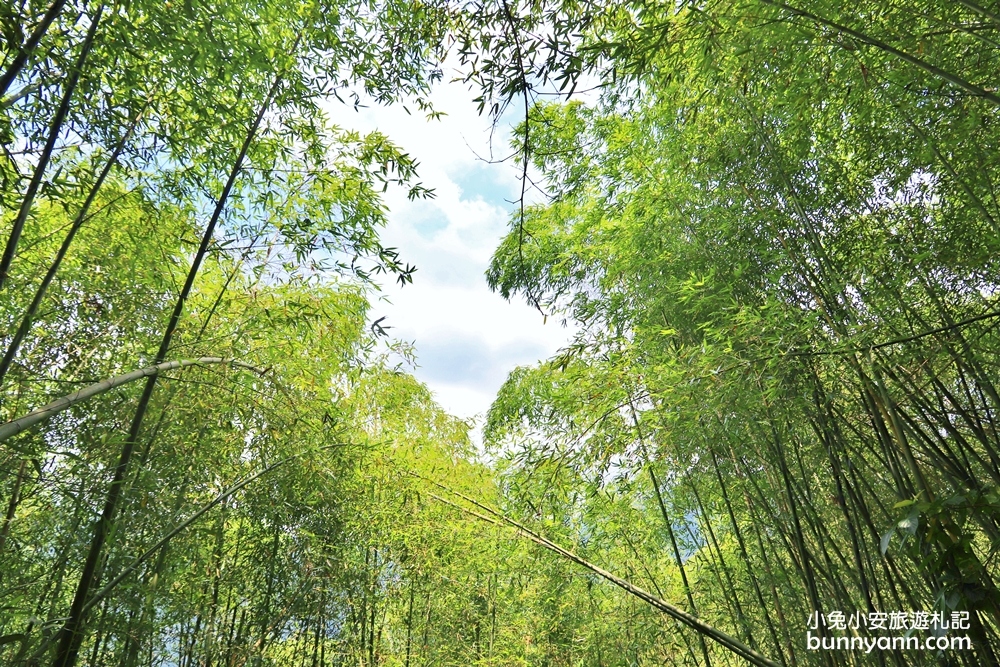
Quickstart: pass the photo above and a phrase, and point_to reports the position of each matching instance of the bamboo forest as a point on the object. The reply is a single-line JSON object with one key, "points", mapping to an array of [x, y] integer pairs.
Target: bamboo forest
{"points": [[767, 230]]}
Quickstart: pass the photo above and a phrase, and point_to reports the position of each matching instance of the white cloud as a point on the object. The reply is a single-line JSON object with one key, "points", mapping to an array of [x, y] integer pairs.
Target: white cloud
{"points": [[466, 337]]}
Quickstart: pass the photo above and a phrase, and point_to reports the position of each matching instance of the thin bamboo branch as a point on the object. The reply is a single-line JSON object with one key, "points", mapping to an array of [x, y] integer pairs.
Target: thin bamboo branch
{"points": [[933, 70]]}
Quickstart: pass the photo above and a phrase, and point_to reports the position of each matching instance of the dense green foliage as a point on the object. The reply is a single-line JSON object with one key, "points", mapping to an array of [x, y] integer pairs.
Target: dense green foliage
{"points": [[775, 229], [777, 233]]}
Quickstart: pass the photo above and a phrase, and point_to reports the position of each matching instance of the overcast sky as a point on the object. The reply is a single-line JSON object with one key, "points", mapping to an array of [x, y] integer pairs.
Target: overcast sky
{"points": [[467, 338]]}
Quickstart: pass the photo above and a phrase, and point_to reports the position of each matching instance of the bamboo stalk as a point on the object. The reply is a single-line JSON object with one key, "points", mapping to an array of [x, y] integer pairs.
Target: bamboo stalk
{"points": [[72, 632], [55, 129], [29, 315], [28, 48]]}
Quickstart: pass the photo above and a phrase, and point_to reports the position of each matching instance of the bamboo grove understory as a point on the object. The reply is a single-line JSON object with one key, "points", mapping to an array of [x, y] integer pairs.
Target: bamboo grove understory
{"points": [[771, 226]]}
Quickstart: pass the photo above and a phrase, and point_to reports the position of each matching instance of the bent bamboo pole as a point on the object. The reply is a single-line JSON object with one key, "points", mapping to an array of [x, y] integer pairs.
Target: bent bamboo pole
{"points": [[15, 426], [699, 626]]}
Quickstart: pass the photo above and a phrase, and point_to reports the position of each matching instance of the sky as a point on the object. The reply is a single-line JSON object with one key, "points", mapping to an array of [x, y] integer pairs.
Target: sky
{"points": [[467, 338]]}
